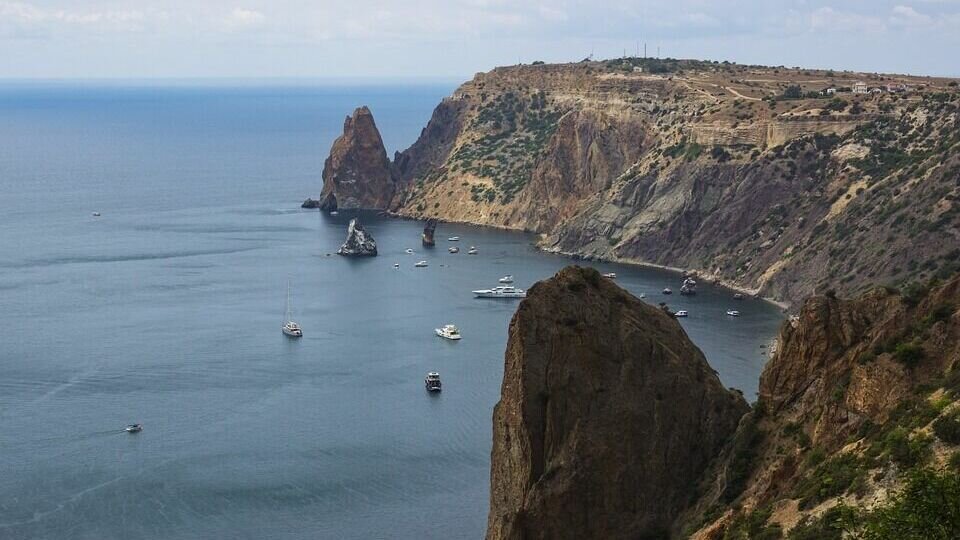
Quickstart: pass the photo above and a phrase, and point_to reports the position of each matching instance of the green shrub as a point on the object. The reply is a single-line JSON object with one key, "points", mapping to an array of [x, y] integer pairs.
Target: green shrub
{"points": [[947, 427], [830, 479], [928, 508], [908, 354], [904, 450]]}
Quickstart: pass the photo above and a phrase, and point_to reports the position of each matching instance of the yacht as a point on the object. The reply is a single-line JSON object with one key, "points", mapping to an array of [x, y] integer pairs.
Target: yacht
{"points": [[610, 275], [733, 313], [448, 331], [681, 313], [334, 213], [667, 290], [472, 251], [506, 279], [453, 239], [291, 328], [396, 265], [421, 264], [502, 291], [453, 249], [432, 381], [133, 428], [409, 251]]}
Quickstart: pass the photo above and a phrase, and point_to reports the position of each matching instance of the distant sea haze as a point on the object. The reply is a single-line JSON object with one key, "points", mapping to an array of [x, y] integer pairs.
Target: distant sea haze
{"points": [[166, 310]]}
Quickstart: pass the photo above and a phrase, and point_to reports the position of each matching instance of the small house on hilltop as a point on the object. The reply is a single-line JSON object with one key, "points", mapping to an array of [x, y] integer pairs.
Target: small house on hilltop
{"points": [[860, 87]]}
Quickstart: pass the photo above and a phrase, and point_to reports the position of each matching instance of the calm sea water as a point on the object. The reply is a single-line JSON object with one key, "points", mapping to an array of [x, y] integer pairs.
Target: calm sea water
{"points": [[166, 310]]}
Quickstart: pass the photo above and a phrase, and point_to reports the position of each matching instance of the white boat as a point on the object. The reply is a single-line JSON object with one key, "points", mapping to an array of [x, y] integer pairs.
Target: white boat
{"points": [[642, 295], [421, 264], [133, 428], [291, 328], [96, 214], [506, 279], [453, 239], [409, 251], [334, 213], [396, 265], [667, 290], [472, 251], [733, 313], [738, 296], [432, 382], [448, 331], [610, 275], [681, 313], [502, 291], [453, 249]]}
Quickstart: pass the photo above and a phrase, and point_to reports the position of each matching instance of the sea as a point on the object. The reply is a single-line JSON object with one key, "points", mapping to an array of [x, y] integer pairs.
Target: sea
{"points": [[166, 311]]}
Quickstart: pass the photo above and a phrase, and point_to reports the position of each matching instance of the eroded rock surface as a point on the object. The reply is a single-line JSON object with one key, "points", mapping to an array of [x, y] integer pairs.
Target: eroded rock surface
{"points": [[359, 242], [358, 174]]}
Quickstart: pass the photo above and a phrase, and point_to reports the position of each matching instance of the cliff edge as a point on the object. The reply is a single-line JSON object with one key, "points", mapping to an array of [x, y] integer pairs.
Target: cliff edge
{"points": [[358, 174]]}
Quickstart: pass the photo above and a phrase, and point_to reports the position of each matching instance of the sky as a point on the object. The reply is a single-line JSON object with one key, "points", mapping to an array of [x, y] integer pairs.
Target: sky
{"points": [[453, 39]]}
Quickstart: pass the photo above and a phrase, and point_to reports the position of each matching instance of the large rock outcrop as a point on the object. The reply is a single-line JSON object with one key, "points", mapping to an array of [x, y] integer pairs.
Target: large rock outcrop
{"points": [[608, 416], [428, 232], [358, 174], [359, 242]]}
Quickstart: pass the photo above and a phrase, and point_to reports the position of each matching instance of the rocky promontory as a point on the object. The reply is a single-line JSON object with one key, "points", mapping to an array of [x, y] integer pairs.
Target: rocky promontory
{"points": [[428, 232], [608, 416], [359, 242], [358, 174]]}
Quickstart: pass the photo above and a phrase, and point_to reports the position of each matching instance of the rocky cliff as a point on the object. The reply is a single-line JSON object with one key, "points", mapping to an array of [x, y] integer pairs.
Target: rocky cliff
{"points": [[612, 425], [608, 416], [358, 174], [359, 242], [743, 174]]}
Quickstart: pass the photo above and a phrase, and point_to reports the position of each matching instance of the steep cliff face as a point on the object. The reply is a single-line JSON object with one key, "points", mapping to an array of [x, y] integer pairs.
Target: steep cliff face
{"points": [[704, 166], [608, 416], [358, 174], [851, 401]]}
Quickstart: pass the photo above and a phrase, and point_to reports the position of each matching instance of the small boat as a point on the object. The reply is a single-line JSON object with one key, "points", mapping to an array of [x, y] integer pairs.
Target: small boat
{"points": [[409, 251], [454, 249], [610, 275], [133, 428], [96, 214], [448, 331], [334, 213], [291, 328], [506, 279], [472, 251], [453, 239], [432, 381], [642, 295], [738, 296], [681, 313], [396, 265], [503, 291], [667, 290], [733, 313], [421, 264]]}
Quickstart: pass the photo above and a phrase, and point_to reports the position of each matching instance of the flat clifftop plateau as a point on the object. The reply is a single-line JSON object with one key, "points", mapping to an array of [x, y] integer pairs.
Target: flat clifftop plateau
{"points": [[608, 416], [357, 174], [857, 428], [781, 181]]}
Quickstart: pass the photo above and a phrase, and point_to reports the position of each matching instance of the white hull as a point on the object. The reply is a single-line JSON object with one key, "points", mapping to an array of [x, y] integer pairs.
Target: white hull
{"points": [[488, 294], [292, 333], [444, 335]]}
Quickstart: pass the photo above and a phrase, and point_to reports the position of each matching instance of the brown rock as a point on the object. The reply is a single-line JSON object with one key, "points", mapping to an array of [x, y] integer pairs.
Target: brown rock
{"points": [[358, 174], [608, 416]]}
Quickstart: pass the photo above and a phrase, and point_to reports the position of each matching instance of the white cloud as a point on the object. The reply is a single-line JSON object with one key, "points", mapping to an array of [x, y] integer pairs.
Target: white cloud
{"points": [[245, 17]]}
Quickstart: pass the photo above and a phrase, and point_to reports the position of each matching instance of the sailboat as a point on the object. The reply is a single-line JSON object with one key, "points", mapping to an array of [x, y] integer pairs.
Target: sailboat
{"points": [[291, 328]]}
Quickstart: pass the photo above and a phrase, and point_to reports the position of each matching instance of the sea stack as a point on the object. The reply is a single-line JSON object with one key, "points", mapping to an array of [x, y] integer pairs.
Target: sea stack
{"points": [[428, 230], [359, 243], [310, 203], [607, 419], [358, 174]]}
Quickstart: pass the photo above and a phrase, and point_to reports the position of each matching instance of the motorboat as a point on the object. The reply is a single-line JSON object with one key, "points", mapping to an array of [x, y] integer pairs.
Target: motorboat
{"points": [[453, 249], [738, 296], [96, 214], [409, 251], [506, 279], [448, 331], [502, 291], [290, 328], [453, 239], [733, 313], [667, 290], [133, 428], [642, 295], [681, 313], [334, 213], [421, 264], [396, 265], [610, 275], [472, 251], [432, 381]]}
